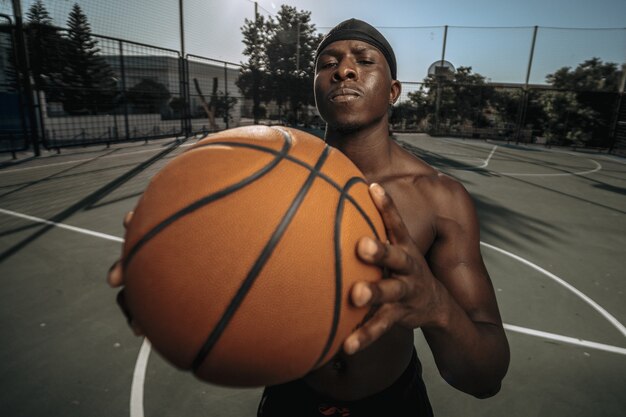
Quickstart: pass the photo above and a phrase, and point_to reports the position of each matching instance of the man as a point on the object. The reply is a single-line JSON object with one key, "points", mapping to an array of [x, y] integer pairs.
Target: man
{"points": [[438, 281]]}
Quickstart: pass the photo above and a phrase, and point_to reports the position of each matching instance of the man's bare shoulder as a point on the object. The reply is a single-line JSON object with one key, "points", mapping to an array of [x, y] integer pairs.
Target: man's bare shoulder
{"points": [[440, 188]]}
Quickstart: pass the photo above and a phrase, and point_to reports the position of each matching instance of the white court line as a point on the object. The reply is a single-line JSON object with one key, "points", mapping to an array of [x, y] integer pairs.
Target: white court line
{"points": [[565, 339], [619, 326], [561, 281], [561, 174], [117, 155], [515, 174], [137, 384], [484, 164], [48, 165], [139, 377], [62, 225]]}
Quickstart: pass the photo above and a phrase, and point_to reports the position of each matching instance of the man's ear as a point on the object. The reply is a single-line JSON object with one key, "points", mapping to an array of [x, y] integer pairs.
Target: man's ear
{"points": [[394, 92]]}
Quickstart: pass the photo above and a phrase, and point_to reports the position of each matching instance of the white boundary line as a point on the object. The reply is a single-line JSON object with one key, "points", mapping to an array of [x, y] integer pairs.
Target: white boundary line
{"points": [[565, 339], [62, 226], [117, 155], [619, 326], [484, 164], [561, 174], [514, 174], [138, 381]]}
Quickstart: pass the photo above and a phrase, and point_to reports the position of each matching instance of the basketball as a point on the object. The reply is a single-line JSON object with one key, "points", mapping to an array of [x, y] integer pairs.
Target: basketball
{"points": [[241, 253]]}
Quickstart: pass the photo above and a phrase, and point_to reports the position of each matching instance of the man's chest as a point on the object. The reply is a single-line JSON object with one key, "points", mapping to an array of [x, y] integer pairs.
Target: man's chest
{"points": [[416, 212]]}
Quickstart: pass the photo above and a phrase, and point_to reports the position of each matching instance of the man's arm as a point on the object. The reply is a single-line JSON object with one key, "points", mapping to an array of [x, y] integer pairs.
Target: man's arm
{"points": [[451, 299]]}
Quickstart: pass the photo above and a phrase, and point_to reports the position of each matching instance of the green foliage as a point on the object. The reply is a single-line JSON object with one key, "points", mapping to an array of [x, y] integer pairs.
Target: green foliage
{"points": [[409, 114], [281, 60], [566, 121], [224, 104], [462, 100], [581, 111], [45, 48], [591, 75], [253, 79], [89, 84], [506, 105]]}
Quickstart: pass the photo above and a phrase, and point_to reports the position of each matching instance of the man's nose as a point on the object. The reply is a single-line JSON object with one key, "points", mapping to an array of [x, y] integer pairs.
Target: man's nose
{"points": [[345, 71]]}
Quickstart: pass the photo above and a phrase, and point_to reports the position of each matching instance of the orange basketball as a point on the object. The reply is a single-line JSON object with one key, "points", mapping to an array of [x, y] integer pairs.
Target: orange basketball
{"points": [[241, 253]]}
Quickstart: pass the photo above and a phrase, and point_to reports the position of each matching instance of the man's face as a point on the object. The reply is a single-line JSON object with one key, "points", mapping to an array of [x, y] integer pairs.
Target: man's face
{"points": [[353, 85]]}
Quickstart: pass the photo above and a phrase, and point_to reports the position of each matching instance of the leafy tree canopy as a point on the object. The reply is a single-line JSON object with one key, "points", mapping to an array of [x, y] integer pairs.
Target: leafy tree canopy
{"points": [[592, 74]]}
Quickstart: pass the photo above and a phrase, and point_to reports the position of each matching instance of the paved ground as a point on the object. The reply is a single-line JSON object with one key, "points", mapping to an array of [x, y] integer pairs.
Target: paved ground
{"points": [[553, 233]]}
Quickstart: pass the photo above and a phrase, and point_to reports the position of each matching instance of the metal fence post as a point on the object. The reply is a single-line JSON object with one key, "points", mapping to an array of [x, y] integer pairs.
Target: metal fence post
{"points": [[123, 92], [25, 77], [226, 106], [524, 100], [613, 133], [439, 80], [186, 109]]}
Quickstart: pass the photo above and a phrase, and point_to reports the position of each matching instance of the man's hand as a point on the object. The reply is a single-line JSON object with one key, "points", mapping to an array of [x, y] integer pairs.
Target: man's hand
{"points": [[410, 297], [115, 278]]}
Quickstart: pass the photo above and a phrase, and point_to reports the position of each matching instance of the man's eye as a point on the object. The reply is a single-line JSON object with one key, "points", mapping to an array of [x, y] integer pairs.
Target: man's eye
{"points": [[366, 62], [329, 64]]}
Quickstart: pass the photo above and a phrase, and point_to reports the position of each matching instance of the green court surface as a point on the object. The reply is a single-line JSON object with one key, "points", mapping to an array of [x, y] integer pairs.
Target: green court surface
{"points": [[553, 235]]}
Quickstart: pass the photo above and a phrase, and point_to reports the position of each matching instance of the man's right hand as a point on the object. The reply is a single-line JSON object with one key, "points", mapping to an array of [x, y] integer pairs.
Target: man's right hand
{"points": [[115, 278]]}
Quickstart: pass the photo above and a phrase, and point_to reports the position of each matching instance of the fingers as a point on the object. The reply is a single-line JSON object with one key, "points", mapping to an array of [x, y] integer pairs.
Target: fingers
{"points": [[395, 227], [391, 290], [127, 218], [115, 277], [386, 256], [373, 329]]}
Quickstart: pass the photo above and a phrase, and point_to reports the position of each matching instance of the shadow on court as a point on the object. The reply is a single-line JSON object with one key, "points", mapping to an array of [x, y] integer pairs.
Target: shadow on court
{"points": [[86, 202], [67, 349]]}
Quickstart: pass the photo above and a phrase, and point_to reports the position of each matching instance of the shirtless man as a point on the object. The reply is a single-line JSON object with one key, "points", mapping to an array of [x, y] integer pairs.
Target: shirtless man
{"points": [[438, 281]]}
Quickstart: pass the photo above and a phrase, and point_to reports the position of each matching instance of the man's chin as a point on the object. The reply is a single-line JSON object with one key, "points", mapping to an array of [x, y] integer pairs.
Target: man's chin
{"points": [[345, 127]]}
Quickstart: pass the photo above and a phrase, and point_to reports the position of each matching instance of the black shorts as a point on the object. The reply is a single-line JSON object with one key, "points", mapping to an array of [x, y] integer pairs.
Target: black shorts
{"points": [[405, 397]]}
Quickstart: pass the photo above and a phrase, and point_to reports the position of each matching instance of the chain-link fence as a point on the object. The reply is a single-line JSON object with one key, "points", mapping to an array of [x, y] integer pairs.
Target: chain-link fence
{"points": [[527, 84], [132, 96], [14, 121]]}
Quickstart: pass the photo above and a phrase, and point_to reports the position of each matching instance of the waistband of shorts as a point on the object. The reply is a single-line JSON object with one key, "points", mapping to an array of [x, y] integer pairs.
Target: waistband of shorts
{"points": [[413, 369]]}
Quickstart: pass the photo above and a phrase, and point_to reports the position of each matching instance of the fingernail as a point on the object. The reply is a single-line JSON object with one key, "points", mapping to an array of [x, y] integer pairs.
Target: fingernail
{"points": [[369, 246], [352, 345], [363, 296], [377, 189]]}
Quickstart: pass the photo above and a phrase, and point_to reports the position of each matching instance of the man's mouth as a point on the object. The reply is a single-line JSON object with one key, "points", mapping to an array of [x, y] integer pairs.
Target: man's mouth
{"points": [[343, 94]]}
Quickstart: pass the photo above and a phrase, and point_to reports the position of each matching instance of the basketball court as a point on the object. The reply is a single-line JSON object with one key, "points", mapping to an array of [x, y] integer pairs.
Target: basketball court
{"points": [[553, 238]]}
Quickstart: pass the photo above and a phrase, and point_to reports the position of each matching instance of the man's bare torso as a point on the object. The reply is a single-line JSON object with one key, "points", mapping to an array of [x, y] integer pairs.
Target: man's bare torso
{"points": [[413, 185]]}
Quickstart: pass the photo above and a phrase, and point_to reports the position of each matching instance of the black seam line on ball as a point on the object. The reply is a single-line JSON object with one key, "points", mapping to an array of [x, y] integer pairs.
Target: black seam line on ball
{"points": [[338, 269], [265, 255], [279, 156], [297, 161]]}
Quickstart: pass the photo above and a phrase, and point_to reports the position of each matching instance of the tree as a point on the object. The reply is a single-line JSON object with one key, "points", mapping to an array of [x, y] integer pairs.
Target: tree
{"points": [[148, 96], [410, 113], [290, 52], [506, 104], [253, 78], [464, 99], [590, 75], [89, 84], [566, 120], [45, 46], [281, 61], [589, 95]]}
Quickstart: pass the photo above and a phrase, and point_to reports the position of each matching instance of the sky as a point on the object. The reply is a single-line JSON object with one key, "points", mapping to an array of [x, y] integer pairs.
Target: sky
{"points": [[492, 36]]}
